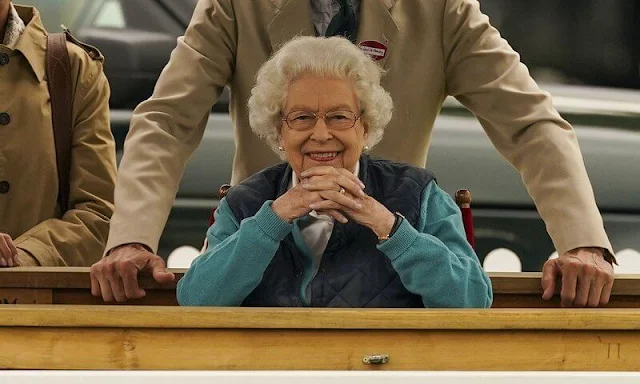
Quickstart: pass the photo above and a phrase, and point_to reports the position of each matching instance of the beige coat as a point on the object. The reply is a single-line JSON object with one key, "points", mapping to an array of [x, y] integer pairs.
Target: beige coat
{"points": [[435, 48], [29, 212]]}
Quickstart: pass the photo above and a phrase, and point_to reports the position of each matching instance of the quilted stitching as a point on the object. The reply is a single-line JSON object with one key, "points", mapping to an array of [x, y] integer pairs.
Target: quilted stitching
{"points": [[350, 274]]}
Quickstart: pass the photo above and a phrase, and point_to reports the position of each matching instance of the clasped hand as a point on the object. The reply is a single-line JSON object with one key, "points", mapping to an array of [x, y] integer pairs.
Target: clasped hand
{"points": [[337, 193]]}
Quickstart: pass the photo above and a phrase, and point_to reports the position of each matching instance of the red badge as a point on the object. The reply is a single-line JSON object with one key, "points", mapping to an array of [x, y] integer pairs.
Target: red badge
{"points": [[375, 49]]}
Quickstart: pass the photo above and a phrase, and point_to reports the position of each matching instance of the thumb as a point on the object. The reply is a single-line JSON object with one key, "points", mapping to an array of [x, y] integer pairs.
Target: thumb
{"points": [[549, 276], [158, 269]]}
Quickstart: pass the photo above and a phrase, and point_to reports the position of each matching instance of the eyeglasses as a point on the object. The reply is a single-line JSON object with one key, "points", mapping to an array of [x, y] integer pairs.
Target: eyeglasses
{"points": [[336, 120]]}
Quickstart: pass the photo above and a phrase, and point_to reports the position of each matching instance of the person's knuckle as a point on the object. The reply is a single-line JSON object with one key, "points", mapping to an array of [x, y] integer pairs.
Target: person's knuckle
{"points": [[571, 266], [97, 269], [589, 270], [609, 276], [109, 269], [124, 266]]}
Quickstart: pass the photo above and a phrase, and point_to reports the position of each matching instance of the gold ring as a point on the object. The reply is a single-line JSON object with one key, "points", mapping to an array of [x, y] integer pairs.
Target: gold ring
{"points": [[342, 190]]}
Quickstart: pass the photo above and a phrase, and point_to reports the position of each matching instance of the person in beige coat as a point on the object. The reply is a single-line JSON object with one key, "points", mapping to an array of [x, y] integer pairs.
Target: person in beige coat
{"points": [[33, 230], [429, 50]]}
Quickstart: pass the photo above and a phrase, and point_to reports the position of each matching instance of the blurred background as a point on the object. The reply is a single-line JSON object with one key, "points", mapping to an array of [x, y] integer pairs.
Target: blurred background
{"points": [[585, 52], [592, 42]]}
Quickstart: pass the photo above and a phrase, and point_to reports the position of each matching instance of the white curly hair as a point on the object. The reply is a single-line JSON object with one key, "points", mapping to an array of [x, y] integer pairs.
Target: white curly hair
{"points": [[320, 56]]}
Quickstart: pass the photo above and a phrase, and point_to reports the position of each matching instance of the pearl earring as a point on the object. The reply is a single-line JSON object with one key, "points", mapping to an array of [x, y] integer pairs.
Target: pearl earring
{"points": [[281, 148], [366, 147]]}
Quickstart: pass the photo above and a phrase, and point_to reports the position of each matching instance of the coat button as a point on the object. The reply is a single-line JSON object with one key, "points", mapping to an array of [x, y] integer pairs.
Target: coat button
{"points": [[5, 119], [4, 187], [4, 59]]}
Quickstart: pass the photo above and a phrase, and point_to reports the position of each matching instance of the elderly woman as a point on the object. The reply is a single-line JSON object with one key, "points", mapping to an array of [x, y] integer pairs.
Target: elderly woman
{"points": [[332, 227]]}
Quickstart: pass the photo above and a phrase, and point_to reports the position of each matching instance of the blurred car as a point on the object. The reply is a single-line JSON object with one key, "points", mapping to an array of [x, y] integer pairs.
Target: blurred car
{"points": [[137, 36]]}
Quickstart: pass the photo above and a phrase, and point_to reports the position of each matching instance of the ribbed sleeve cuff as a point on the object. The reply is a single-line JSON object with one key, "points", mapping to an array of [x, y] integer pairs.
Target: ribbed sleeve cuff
{"points": [[398, 244], [270, 223]]}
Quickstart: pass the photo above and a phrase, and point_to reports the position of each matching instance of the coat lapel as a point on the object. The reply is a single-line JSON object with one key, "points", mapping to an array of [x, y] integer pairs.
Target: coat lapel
{"points": [[293, 18], [376, 24]]}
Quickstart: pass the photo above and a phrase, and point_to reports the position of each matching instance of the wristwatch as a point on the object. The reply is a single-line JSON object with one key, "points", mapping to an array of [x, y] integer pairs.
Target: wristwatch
{"points": [[394, 228]]}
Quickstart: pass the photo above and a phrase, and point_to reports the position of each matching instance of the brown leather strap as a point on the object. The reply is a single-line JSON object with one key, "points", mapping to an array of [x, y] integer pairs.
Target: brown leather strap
{"points": [[59, 83]]}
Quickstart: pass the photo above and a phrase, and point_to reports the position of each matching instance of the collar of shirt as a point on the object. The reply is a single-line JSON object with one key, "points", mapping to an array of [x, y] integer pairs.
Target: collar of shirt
{"points": [[32, 42], [15, 27], [322, 11]]}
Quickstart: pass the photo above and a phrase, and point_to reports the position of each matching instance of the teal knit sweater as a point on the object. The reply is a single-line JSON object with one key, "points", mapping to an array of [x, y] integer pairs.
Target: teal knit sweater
{"points": [[434, 260]]}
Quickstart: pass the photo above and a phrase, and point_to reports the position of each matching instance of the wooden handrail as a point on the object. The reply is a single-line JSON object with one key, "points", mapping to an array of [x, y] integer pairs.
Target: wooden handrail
{"points": [[78, 278], [316, 318], [65, 277], [179, 338], [71, 285], [529, 283]]}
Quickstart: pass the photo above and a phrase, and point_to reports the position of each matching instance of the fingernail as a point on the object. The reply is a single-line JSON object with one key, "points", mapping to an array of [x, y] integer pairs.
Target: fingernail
{"points": [[362, 194], [3, 262], [358, 206], [362, 185], [10, 262], [313, 206], [304, 174]]}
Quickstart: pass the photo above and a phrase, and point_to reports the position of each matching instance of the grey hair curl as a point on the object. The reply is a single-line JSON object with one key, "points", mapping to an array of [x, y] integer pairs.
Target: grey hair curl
{"points": [[332, 57]]}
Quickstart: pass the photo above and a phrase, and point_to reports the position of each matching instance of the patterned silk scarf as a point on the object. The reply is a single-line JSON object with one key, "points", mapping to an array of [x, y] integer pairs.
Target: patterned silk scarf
{"points": [[344, 22], [15, 27]]}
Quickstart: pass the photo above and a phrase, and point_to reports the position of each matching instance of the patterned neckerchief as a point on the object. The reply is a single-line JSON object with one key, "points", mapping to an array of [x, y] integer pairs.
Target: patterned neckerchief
{"points": [[15, 27], [322, 11]]}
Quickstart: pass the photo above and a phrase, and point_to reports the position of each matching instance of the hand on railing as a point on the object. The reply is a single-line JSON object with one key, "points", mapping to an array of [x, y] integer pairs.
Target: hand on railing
{"points": [[8, 252], [587, 278], [116, 275]]}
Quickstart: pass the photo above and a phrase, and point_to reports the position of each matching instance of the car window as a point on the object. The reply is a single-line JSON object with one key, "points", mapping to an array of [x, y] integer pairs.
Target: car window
{"points": [[110, 15], [181, 9], [57, 12], [143, 15]]}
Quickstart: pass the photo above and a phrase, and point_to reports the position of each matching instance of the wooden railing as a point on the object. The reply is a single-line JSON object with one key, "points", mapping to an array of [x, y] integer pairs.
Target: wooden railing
{"points": [[160, 335], [44, 285], [173, 338]]}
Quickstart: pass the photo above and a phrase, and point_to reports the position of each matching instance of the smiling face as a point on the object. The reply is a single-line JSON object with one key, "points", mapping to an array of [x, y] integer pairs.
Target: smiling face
{"points": [[321, 145]]}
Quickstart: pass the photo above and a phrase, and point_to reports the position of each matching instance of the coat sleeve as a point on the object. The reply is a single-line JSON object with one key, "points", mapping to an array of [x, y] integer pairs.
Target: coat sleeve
{"points": [[79, 236], [485, 74], [236, 258], [434, 259], [166, 129]]}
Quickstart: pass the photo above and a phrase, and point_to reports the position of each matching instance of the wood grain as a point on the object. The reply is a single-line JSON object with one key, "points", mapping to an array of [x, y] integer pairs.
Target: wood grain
{"points": [[178, 338], [318, 349], [26, 296], [65, 277], [316, 318], [72, 286]]}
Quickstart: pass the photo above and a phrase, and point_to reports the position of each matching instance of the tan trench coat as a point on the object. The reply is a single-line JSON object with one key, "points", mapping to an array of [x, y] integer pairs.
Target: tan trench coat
{"points": [[435, 48], [29, 212]]}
